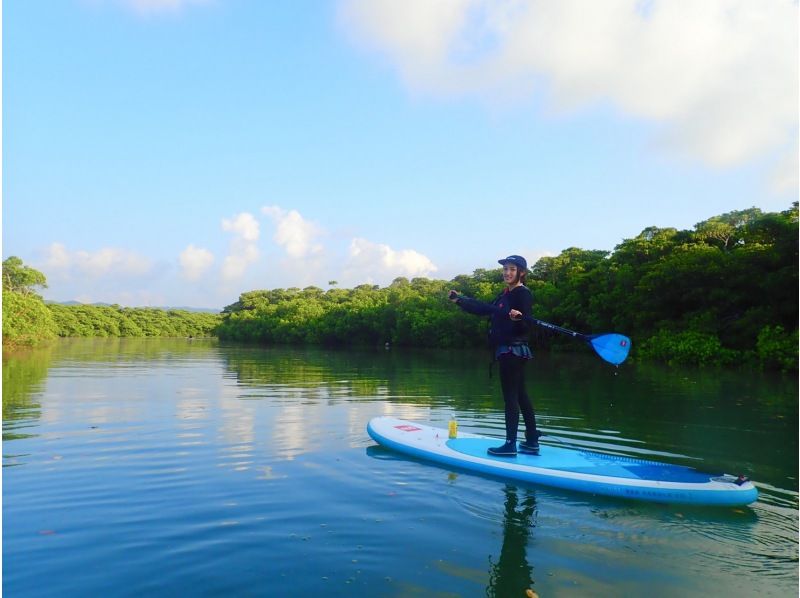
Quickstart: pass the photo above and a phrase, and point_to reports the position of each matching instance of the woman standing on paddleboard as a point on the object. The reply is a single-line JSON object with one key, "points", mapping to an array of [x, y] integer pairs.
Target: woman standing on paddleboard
{"points": [[509, 337]]}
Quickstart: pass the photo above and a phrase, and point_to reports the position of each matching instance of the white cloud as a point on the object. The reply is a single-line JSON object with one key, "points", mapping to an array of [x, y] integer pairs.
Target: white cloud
{"points": [[370, 262], [243, 248], [57, 258], [720, 77], [235, 264], [242, 225], [297, 236], [109, 261], [195, 261], [416, 35]]}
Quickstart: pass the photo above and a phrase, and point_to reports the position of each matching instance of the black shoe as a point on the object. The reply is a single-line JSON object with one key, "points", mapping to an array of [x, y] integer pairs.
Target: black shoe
{"points": [[531, 447], [509, 449]]}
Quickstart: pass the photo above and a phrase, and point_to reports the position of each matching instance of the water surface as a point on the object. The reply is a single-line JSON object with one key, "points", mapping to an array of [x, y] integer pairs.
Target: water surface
{"points": [[176, 467]]}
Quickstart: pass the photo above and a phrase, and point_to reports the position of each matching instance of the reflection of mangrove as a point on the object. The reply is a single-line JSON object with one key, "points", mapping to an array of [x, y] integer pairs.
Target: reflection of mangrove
{"points": [[511, 575], [645, 404], [585, 370], [682, 411], [24, 372], [105, 349], [678, 410], [403, 375], [26, 369]]}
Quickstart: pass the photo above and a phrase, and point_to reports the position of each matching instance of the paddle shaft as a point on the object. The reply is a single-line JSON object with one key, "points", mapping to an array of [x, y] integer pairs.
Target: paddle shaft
{"points": [[550, 326], [547, 325]]}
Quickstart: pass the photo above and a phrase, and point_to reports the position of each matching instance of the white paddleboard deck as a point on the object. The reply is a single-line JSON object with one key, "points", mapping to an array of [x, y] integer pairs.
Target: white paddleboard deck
{"points": [[568, 468]]}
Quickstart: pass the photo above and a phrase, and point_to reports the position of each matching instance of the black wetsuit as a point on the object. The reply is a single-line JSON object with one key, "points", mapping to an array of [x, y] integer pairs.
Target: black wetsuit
{"points": [[509, 340]]}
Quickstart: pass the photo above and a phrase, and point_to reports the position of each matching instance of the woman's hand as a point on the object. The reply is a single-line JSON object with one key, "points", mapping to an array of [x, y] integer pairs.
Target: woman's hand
{"points": [[453, 296], [515, 314]]}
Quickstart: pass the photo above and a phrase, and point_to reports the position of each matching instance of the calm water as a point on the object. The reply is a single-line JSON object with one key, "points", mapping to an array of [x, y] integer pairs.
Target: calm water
{"points": [[171, 467]]}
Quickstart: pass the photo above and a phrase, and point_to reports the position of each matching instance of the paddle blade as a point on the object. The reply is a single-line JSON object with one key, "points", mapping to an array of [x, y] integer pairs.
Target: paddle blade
{"points": [[613, 348]]}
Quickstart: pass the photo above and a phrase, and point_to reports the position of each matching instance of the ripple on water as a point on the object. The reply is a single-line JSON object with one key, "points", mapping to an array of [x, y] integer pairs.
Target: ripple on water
{"points": [[211, 476]]}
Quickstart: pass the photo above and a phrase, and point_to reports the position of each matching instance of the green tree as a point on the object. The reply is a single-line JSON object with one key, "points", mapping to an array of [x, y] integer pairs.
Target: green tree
{"points": [[727, 230], [26, 319], [19, 278]]}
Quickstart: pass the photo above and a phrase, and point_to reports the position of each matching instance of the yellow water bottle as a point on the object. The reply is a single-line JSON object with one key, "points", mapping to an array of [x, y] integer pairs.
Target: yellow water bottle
{"points": [[452, 427]]}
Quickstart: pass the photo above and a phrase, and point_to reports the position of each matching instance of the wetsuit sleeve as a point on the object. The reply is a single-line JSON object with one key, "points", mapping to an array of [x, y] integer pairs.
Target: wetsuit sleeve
{"points": [[473, 306], [522, 300]]}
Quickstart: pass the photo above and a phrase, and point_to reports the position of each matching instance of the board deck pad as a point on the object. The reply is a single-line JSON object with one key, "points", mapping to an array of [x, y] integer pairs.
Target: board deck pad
{"points": [[583, 461], [566, 467]]}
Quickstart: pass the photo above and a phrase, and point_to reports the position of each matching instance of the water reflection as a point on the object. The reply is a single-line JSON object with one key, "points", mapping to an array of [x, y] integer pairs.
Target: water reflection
{"points": [[167, 442], [708, 419], [24, 375], [511, 574]]}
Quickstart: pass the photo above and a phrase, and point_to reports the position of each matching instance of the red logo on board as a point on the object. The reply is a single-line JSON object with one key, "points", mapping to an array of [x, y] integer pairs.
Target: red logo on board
{"points": [[408, 428]]}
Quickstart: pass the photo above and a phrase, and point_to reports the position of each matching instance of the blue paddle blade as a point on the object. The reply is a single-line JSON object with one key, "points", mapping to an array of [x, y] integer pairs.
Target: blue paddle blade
{"points": [[613, 348]]}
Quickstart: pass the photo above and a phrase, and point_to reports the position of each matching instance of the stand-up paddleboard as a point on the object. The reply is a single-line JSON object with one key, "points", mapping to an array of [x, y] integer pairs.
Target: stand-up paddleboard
{"points": [[568, 468]]}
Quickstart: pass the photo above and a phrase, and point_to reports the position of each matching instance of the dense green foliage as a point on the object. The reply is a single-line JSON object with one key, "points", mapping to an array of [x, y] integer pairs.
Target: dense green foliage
{"points": [[99, 320], [28, 321], [721, 293], [406, 313]]}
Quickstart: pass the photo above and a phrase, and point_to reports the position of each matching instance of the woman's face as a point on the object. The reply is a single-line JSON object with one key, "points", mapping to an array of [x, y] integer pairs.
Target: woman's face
{"points": [[510, 275]]}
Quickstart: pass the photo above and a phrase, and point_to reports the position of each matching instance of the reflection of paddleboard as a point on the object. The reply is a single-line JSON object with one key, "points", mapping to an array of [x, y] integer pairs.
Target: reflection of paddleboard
{"points": [[569, 468]]}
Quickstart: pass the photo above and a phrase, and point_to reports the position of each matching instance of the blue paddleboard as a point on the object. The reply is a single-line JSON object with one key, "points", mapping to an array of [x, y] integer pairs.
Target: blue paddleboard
{"points": [[568, 468]]}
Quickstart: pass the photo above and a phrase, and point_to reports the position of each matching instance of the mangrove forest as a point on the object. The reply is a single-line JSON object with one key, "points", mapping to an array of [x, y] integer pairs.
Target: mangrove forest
{"points": [[722, 293]]}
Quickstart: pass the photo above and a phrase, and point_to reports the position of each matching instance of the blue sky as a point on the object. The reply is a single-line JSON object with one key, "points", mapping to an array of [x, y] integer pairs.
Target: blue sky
{"points": [[180, 152]]}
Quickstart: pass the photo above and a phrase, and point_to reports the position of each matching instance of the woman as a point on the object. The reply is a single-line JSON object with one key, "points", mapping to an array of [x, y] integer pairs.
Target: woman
{"points": [[509, 337]]}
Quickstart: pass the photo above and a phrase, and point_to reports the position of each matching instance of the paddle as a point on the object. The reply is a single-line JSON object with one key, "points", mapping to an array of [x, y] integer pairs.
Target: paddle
{"points": [[611, 347]]}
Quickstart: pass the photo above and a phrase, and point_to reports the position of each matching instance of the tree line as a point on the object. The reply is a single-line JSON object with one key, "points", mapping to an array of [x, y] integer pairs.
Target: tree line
{"points": [[28, 320], [724, 292]]}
